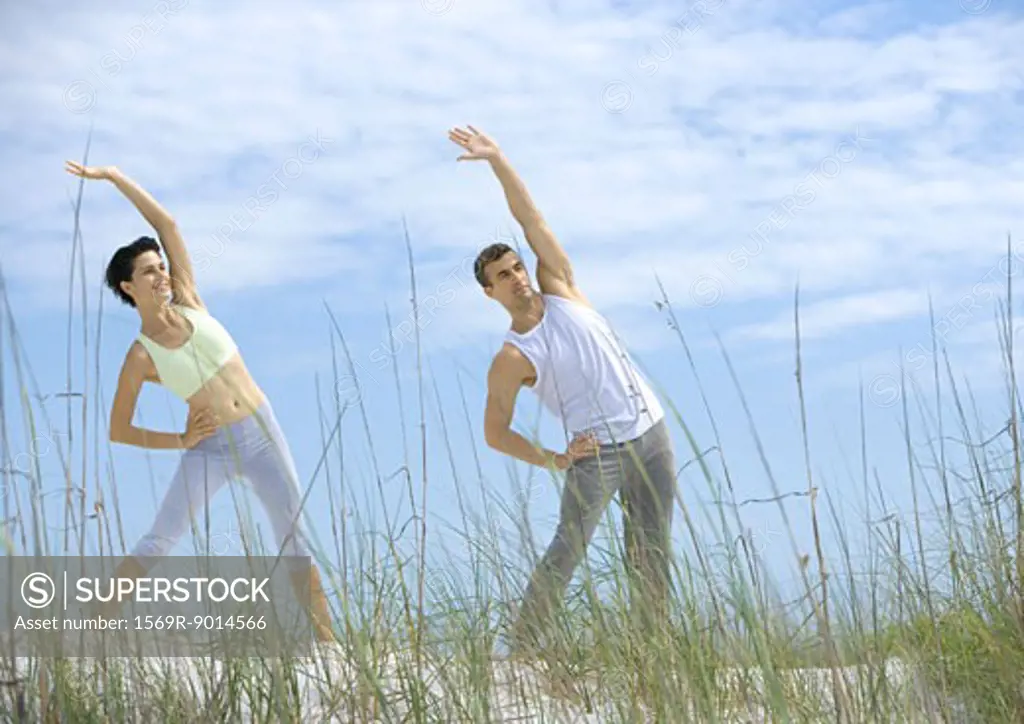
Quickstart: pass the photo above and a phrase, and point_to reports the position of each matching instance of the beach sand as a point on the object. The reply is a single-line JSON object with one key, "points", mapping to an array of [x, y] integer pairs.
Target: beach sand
{"points": [[328, 687]]}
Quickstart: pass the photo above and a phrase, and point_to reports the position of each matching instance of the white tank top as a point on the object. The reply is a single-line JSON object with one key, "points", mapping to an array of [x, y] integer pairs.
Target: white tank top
{"points": [[584, 376]]}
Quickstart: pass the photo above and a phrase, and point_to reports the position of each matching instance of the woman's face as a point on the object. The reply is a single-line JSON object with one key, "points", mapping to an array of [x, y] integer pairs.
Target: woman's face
{"points": [[150, 284]]}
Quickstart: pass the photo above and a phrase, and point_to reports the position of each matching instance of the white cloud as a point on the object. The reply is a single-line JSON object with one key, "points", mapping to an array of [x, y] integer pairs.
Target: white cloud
{"points": [[736, 114], [855, 20], [834, 316]]}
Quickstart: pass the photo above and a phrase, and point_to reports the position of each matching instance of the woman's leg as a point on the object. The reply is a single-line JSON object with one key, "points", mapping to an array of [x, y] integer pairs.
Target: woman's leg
{"points": [[275, 481], [200, 475]]}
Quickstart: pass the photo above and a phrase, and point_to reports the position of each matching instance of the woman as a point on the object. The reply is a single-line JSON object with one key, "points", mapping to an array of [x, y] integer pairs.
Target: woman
{"points": [[231, 428]]}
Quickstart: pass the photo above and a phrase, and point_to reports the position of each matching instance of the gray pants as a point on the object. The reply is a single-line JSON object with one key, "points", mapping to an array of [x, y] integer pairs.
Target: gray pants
{"points": [[642, 472]]}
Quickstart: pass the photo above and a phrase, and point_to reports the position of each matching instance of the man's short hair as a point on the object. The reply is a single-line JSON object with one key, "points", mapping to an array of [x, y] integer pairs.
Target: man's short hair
{"points": [[489, 254]]}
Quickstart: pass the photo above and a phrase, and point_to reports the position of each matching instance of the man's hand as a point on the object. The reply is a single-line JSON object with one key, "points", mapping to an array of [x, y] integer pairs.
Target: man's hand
{"points": [[102, 173], [581, 446], [478, 145]]}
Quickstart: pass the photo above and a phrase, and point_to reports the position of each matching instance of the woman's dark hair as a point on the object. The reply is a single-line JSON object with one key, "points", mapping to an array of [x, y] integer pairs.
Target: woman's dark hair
{"points": [[122, 264]]}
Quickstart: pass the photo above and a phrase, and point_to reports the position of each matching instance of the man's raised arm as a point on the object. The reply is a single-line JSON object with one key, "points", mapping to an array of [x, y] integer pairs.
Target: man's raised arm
{"points": [[554, 270]]}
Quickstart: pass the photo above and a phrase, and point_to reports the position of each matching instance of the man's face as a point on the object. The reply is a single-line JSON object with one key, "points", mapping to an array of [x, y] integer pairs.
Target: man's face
{"points": [[509, 281]]}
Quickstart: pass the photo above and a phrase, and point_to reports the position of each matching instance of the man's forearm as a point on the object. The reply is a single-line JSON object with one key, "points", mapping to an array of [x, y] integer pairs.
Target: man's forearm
{"points": [[519, 202], [151, 439], [514, 444], [150, 208]]}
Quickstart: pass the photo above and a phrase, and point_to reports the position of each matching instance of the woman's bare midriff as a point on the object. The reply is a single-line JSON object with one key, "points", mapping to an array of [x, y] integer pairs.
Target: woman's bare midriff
{"points": [[231, 395]]}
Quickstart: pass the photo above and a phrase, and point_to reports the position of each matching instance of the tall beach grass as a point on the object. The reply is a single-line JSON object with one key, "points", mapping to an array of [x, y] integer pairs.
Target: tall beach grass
{"points": [[931, 632]]}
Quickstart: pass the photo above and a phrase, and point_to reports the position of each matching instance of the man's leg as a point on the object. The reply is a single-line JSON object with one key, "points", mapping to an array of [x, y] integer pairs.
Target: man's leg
{"points": [[590, 485], [647, 502]]}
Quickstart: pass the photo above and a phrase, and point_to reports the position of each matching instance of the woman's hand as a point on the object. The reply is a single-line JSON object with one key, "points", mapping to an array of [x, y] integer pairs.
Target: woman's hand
{"points": [[201, 425], [102, 173]]}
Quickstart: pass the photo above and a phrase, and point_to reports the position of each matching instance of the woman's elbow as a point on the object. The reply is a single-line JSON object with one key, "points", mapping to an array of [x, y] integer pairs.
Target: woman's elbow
{"points": [[119, 434], [492, 436]]}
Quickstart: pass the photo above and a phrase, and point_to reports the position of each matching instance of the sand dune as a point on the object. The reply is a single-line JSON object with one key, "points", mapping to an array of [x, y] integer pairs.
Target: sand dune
{"points": [[328, 690]]}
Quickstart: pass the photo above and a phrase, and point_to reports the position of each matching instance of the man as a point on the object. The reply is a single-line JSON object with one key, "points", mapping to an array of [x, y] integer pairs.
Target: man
{"points": [[559, 346]]}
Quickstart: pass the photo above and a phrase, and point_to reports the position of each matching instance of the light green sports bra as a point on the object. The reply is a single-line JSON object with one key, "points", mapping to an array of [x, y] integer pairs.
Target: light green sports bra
{"points": [[185, 369]]}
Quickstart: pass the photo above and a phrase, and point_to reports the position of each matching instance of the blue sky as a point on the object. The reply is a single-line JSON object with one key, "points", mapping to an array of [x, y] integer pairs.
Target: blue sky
{"points": [[732, 149]]}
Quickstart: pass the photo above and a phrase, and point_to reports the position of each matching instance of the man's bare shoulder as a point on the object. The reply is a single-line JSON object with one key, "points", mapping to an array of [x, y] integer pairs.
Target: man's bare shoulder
{"points": [[563, 291], [560, 284], [509, 361]]}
